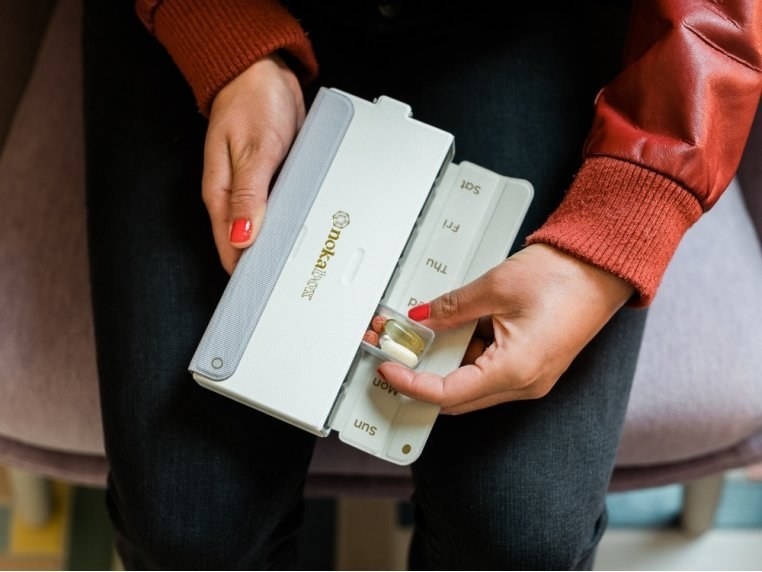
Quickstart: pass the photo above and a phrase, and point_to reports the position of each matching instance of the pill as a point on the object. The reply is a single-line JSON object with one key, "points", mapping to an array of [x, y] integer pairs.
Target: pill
{"points": [[404, 336], [377, 323], [398, 351], [371, 338]]}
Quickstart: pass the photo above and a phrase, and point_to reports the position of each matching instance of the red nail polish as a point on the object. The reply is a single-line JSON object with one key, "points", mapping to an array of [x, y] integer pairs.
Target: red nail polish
{"points": [[420, 312], [241, 230]]}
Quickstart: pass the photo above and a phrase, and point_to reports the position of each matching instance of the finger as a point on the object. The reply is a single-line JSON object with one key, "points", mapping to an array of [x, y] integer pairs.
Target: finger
{"points": [[237, 178], [501, 373], [253, 169], [215, 190], [531, 391], [460, 306], [487, 401], [466, 384], [441, 390]]}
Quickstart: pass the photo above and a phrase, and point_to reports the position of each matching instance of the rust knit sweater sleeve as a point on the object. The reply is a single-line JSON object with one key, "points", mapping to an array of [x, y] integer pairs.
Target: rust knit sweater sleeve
{"points": [[667, 137], [212, 41]]}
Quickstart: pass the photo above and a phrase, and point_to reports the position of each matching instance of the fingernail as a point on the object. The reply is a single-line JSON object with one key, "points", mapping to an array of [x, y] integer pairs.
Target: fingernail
{"points": [[420, 312], [241, 230]]}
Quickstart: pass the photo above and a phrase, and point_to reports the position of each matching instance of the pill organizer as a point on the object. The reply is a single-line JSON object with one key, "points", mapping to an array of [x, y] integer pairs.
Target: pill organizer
{"points": [[369, 215]]}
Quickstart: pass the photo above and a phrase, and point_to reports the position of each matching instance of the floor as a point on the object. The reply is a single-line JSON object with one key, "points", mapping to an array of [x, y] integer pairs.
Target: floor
{"points": [[642, 534], [77, 537]]}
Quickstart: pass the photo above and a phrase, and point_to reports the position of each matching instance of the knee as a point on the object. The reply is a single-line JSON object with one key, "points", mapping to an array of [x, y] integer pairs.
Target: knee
{"points": [[196, 533], [186, 539], [547, 542], [522, 532]]}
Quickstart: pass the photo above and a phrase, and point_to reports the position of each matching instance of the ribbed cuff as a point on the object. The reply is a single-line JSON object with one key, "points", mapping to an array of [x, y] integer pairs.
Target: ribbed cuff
{"points": [[623, 218], [212, 42]]}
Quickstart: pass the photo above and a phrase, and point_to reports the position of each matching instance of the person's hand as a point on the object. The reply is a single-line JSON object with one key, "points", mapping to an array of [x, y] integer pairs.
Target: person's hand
{"points": [[542, 307], [252, 123]]}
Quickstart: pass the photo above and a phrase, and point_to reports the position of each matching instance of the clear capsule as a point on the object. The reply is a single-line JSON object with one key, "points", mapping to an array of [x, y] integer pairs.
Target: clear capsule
{"points": [[404, 336]]}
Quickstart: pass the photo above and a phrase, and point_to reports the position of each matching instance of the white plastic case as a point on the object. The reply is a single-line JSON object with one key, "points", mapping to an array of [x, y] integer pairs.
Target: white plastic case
{"points": [[355, 218]]}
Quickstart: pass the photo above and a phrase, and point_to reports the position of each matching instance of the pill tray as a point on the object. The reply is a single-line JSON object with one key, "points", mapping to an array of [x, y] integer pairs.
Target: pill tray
{"points": [[396, 349]]}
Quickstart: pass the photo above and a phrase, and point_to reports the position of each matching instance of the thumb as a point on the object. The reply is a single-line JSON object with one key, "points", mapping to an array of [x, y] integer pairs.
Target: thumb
{"points": [[235, 188], [251, 178], [457, 307]]}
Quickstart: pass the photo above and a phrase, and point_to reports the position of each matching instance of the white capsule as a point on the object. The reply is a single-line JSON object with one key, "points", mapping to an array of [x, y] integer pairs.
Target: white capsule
{"points": [[398, 351]]}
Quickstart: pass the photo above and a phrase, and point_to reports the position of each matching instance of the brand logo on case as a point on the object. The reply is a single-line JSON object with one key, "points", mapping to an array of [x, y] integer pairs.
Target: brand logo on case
{"points": [[339, 221]]}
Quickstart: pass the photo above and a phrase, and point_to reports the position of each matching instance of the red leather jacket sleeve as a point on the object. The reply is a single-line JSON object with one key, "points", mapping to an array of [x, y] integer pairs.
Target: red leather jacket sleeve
{"points": [[213, 41], [667, 137]]}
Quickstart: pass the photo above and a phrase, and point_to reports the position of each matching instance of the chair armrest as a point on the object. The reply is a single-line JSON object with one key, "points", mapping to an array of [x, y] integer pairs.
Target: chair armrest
{"points": [[22, 25]]}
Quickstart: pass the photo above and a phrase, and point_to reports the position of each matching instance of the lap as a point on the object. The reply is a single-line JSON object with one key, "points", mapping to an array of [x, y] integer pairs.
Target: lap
{"points": [[192, 469]]}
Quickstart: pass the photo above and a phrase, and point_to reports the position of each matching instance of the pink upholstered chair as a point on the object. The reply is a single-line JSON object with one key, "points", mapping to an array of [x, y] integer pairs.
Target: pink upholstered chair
{"points": [[696, 408]]}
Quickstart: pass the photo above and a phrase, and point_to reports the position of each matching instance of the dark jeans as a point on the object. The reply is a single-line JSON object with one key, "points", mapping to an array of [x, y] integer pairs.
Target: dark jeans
{"points": [[199, 481]]}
